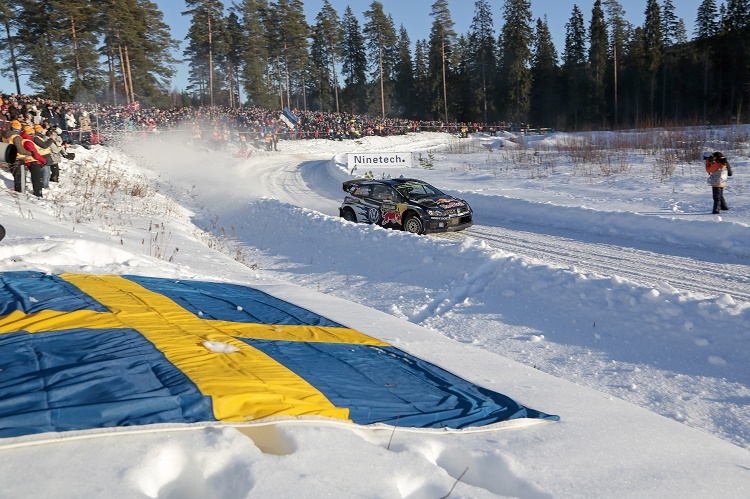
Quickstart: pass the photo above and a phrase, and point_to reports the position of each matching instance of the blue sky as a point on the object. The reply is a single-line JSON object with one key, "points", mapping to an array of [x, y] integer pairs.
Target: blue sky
{"points": [[415, 16]]}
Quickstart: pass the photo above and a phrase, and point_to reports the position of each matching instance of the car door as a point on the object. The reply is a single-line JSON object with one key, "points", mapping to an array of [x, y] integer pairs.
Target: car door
{"points": [[390, 206]]}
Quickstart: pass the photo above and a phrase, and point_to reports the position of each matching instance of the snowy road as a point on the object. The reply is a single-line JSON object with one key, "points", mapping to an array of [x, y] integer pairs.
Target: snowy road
{"points": [[645, 264], [306, 180], [584, 271]]}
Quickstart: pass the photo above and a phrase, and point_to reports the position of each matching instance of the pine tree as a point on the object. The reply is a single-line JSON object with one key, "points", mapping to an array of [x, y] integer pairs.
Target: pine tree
{"points": [[670, 30], [74, 41], [320, 75], [619, 30], [404, 74], [482, 59], [235, 35], [354, 65], [7, 7], [288, 32], [381, 41], [119, 18], [516, 37], [255, 71], [462, 102], [574, 66], [545, 74], [736, 47], [442, 39], [597, 63], [151, 61], [206, 47], [653, 50], [36, 42], [421, 79], [706, 20], [329, 35], [670, 24]]}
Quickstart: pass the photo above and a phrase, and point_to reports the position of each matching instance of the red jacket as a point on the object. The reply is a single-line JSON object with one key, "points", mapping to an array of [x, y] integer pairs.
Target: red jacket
{"points": [[28, 144]]}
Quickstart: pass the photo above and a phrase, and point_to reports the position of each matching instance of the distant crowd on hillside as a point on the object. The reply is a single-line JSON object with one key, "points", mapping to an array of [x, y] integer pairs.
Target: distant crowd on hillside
{"points": [[214, 127]]}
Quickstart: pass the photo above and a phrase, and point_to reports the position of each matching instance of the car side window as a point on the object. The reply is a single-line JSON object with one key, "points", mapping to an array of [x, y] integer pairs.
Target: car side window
{"points": [[382, 193], [363, 191]]}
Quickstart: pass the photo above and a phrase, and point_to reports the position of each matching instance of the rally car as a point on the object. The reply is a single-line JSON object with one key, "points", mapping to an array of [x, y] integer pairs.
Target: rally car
{"points": [[404, 203]]}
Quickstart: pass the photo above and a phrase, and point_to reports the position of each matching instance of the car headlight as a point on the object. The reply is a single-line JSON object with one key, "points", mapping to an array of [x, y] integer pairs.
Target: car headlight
{"points": [[435, 213]]}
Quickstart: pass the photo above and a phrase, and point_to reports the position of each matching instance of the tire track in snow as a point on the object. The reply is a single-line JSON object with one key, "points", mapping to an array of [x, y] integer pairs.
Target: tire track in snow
{"points": [[651, 268], [444, 302]]}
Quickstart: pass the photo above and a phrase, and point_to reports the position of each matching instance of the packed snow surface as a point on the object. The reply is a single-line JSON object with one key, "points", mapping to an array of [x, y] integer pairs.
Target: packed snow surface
{"points": [[598, 287]]}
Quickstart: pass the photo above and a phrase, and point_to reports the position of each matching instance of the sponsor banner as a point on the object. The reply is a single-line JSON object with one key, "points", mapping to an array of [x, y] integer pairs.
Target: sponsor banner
{"points": [[288, 123], [379, 160]]}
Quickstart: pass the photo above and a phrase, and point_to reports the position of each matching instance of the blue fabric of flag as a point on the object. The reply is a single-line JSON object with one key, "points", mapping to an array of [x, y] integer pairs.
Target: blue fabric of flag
{"points": [[232, 302], [387, 385], [82, 379]]}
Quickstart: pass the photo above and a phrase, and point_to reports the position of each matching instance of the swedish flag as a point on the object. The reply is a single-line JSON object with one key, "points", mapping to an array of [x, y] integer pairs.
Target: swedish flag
{"points": [[82, 351]]}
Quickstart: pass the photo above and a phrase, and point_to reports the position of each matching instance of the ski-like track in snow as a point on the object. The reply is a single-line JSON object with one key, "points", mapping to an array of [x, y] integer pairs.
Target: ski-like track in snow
{"points": [[653, 266]]}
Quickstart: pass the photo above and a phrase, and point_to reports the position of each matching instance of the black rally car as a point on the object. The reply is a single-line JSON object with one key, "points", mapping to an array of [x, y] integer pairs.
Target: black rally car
{"points": [[404, 203]]}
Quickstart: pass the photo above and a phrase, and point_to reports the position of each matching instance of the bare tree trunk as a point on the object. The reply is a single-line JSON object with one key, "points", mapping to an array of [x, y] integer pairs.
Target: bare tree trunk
{"points": [[382, 85], [281, 87], [76, 59], [128, 97], [130, 75], [445, 85], [11, 50], [614, 50], [286, 73], [210, 64], [111, 66], [304, 93], [230, 74], [705, 90], [335, 81]]}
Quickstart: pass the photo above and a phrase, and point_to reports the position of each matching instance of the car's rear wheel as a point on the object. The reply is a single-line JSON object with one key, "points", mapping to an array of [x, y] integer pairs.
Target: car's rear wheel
{"points": [[414, 224], [349, 215]]}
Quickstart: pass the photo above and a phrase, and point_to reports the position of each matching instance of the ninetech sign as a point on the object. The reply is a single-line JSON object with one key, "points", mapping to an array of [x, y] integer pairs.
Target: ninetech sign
{"points": [[386, 159]]}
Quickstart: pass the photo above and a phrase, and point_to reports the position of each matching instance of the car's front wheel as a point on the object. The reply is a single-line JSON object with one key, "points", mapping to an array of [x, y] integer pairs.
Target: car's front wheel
{"points": [[349, 215], [414, 224]]}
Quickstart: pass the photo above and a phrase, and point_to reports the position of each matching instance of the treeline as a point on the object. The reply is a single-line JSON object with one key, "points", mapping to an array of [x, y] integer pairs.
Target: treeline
{"points": [[609, 73]]}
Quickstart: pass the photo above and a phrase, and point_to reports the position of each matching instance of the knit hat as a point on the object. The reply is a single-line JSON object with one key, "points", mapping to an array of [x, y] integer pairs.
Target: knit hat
{"points": [[718, 155], [16, 124], [38, 128]]}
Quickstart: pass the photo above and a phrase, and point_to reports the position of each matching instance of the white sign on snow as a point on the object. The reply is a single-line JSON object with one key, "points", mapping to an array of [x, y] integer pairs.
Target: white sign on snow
{"points": [[380, 160]]}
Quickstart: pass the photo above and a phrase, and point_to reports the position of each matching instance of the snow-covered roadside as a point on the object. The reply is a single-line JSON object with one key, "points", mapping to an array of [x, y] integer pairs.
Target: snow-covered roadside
{"points": [[488, 315]]}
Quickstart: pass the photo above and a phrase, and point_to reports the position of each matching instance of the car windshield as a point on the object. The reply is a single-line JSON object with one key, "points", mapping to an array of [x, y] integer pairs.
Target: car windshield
{"points": [[418, 190]]}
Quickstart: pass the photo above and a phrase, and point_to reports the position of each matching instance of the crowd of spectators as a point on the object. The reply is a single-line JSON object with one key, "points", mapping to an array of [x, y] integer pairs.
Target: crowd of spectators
{"points": [[214, 127]]}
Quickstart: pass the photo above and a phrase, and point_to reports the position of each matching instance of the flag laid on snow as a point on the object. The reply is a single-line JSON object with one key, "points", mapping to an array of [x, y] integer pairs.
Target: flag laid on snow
{"points": [[90, 351]]}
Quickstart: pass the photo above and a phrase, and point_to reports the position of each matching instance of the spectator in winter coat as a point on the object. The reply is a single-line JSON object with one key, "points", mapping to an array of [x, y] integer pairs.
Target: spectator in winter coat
{"points": [[48, 114], [718, 170], [13, 136], [42, 143], [56, 152], [59, 119], [84, 125], [33, 160], [70, 125]]}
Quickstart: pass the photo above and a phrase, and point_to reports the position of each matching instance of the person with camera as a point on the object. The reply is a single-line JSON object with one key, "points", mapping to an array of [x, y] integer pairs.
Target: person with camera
{"points": [[718, 169]]}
